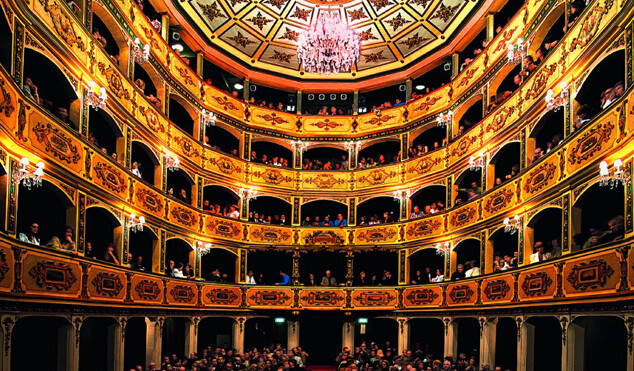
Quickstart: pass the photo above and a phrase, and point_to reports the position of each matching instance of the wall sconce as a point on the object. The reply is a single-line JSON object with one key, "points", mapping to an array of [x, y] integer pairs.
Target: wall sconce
{"points": [[140, 52], [514, 226], [401, 195], [516, 52], [555, 102], [476, 163], [136, 224], [298, 145], [444, 120], [352, 146], [171, 162], [249, 194], [208, 118], [614, 178], [96, 96], [27, 178], [203, 248], [443, 248]]}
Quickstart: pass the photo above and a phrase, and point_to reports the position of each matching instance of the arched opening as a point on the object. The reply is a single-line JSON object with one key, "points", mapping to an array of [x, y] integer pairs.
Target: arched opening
{"points": [[265, 332], [53, 338], [592, 222], [604, 79], [546, 347], [374, 210], [181, 253], [504, 165], [318, 262], [222, 140], [426, 266], [382, 331], [95, 339], [270, 153], [106, 134], [429, 200], [267, 264], [426, 335], [214, 332], [375, 265], [547, 134], [430, 139], [545, 229], [219, 265], [382, 153], [312, 327], [597, 336], [505, 14], [55, 93], [314, 213], [6, 44], [4, 185], [467, 253], [173, 339], [469, 118], [108, 30], [325, 158], [146, 161], [217, 199], [104, 37], [505, 343], [49, 208], [102, 230], [144, 82], [181, 116], [504, 248], [467, 186], [180, 185], [508, 80], [134, 345], [269, 209], [144, 244], [468, 337]]}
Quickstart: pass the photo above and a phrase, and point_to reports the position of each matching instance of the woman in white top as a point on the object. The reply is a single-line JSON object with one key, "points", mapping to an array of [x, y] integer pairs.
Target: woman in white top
{"points": [[250, 279], [473, 271], [439, 277]]}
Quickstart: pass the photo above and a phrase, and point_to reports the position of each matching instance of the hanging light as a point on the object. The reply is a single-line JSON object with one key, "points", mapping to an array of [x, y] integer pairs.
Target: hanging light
{"points": [[249, 193], [328, 46], [476, 163], [136, 224], [516, 52], [171, 162], [352, 146], [443, 248], [29, 179], [96, 96], [208, 118], [614, 178], [444, 119], [514, 226], [140, 52], [203, 248], [298, 145], [555, 102], [401, 195]]}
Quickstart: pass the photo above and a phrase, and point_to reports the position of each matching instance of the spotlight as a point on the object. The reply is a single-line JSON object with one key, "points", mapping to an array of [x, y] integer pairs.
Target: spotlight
{"points": [[238, 86], [178, 47], [420, 87]]}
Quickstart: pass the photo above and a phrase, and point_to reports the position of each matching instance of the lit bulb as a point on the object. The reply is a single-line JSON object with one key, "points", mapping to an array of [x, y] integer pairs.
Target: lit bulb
{"points": [[550, 93], [603, 165], [563, 85], [24, 161], [39, 172], [520, 41], [40, 165], [132, 216], [507, 221], [137, 41], [92, 84], [618, 163], [517, 217], [141, 219]]}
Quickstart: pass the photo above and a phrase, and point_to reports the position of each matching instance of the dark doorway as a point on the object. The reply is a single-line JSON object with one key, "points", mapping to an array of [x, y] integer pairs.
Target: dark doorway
{"points": [[312, 328]]}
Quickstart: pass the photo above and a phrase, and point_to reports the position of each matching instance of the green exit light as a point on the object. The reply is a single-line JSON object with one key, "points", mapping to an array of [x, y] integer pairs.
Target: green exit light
{"points": [[280, 320], [363, 320]]}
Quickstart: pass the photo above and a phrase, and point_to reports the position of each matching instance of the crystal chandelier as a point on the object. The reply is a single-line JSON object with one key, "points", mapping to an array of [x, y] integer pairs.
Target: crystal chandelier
{"points": [[203, 248], [443, 120], [298, 145], [328, 46], [476, 163], [514, 226], [140, 52], [27, 179], [249, 193], [516, 52], [352, 146], [96, 96], [555, 102], [443, 248], [136, 224], [611, 179], [207, 118], [401, 195], [171, 162]]}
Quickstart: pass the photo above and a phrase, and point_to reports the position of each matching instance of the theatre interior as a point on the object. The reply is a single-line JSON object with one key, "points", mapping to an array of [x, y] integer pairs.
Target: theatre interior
{"points": [[316, 185]]}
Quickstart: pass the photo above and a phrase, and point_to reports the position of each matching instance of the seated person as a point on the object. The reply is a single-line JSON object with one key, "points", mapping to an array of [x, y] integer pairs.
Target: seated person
{"points": [[328, 280], [110, 256], [362, 280], [472, 269], [286, 280], [312, 281], [459, 274], [30, 236], [64, 243], [416, 213], [584, 115], [327, 222], [139, 263], [340, 221], [540, 255]]}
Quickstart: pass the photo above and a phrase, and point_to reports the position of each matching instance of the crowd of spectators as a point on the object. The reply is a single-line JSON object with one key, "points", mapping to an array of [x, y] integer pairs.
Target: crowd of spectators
{"points": [[228, 211], [212, 358], [338, 221], [420, 150], [276, 161], [326, 164], [432, 209], [276, 219], [386, 217]]}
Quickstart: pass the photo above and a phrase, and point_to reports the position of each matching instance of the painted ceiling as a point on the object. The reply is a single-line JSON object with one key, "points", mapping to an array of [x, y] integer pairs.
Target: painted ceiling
{"points": [[262, 34]]}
